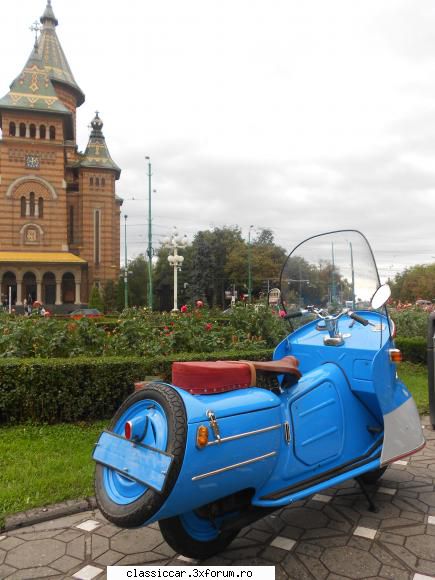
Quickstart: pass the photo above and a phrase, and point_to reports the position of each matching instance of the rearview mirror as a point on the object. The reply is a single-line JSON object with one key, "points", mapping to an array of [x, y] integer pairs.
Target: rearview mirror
{"points": [[380, 297]]}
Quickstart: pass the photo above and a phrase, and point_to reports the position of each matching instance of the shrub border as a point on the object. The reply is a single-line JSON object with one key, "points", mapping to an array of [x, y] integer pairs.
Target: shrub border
{"points": [[68, 390]]}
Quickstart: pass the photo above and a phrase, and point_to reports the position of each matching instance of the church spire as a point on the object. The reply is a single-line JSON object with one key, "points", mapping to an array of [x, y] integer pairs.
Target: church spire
{"points": [[53, 57], [48, 16], [97, 154]]}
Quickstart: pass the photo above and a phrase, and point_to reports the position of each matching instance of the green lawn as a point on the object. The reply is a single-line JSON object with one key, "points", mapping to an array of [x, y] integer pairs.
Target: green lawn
{"points": [[415, 378], [40, 465]]}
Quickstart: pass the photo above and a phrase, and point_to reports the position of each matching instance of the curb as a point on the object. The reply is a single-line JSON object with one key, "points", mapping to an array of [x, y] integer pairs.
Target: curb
{"points": [[52, 512]]}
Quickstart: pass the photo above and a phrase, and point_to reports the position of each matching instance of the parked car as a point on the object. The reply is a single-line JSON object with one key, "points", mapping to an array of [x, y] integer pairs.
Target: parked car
{"points": [[86, 313]]}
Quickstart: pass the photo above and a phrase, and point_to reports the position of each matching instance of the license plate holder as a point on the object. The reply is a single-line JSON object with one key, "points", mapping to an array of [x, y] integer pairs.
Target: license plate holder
{"points": [[134, 460]]}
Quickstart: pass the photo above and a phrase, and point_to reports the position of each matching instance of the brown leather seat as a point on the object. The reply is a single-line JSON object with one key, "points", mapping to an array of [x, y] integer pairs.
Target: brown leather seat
{"points": [[285, 366]]}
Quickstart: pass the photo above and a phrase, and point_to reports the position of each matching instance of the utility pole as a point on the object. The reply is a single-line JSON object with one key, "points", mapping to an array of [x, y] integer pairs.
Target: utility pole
{"points": [[150, 242], [249, 267], [125, 264]]}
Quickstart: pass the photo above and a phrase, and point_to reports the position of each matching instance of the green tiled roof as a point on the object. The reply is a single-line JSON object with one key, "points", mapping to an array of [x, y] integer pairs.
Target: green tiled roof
{"points": [[53, 57], [33, 89], [97, 154]]}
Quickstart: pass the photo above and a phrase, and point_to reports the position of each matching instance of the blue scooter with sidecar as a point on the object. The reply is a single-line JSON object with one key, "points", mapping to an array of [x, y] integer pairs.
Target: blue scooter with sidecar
{"points": [[212, 452]]}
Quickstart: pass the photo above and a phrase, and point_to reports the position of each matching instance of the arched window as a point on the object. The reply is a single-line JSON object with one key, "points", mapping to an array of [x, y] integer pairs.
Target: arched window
{"points": [[32, 204], [103, 182], [41, 207], [33, 131], [97, 182], [23, 206], [91, 181], [52, 132], [42, 132], [12, 129], [22, 130]]}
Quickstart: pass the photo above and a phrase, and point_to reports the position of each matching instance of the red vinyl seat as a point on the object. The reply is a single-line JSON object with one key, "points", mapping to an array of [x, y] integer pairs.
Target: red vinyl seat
{"points": [[208, 378]]}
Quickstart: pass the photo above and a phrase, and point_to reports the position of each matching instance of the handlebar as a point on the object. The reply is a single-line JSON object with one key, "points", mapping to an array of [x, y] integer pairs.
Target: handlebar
{"points": [[328, 317], [358, 318]]}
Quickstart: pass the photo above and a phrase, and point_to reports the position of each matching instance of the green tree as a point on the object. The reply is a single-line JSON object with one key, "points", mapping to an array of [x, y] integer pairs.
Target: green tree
{"points": [[210, 252], [110, 295], [414, 283], [267, 260], [137, 281], [96, 300]]}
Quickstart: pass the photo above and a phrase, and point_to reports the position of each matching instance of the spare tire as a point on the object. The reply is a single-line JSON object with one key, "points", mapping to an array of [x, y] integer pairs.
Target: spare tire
{"points": [[128, 503]]}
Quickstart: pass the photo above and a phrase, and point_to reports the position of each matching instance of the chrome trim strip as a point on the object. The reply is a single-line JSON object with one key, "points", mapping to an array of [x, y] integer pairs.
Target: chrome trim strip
{"points": [[229, 467], [241, 435]]}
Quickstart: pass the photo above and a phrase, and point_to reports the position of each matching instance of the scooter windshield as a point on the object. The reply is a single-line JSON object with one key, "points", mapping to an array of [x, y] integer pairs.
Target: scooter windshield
{"points": [[330, 271]]}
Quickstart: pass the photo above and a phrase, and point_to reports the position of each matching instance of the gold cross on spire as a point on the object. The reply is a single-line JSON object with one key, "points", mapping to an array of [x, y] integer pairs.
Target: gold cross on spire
{"points": [[36, 27]]}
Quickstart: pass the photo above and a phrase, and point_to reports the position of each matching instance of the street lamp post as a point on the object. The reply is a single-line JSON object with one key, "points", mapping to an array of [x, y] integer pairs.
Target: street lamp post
{"points": [[175, 260], [150, 241], [249, 266], [125, 264]]}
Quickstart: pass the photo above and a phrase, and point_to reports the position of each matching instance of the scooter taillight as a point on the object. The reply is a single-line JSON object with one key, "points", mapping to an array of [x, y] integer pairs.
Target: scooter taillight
{"points": [[395, 355], [128, 429]]}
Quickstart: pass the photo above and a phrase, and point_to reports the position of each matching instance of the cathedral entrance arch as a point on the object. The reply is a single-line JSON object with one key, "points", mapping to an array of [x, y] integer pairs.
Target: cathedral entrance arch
{"points": [[9, 280], [29, 287], [49, 288], [68, 288]]}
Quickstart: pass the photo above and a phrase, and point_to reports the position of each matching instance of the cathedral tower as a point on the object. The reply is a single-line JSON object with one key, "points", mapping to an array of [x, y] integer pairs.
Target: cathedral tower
{"points": [[59, 214]]}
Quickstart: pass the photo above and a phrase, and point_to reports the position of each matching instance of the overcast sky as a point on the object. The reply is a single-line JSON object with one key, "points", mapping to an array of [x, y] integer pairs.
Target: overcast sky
{"points": [[299, 116]]}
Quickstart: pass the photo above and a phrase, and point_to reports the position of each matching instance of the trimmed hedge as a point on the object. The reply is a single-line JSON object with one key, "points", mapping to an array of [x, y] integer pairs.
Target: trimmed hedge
{"points": [[413, 349], [54, 390]]}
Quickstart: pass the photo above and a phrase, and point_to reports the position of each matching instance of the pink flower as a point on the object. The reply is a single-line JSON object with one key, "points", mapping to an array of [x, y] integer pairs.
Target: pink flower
{"points": [[282, 313], [183, 308], [208, 326], [199, 303]]}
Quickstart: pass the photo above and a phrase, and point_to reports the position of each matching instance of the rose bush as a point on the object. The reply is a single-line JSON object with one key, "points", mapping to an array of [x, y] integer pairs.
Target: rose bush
{"points": [[140, 332]]}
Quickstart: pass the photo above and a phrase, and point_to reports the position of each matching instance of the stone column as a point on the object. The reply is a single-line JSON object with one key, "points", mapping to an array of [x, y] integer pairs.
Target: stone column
{"points": [[37, 132], [58, 299], [39, 290], [19, 297], [27, 130], [27, 207], [78, 287]]}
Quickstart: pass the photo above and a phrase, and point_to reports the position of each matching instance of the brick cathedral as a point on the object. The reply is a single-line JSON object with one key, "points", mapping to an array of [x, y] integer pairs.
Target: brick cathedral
{"points": [[59, 213]]}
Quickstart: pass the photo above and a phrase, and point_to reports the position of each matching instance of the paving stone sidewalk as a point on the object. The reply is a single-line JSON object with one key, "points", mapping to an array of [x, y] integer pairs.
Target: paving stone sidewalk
{"points": [[331, 535]]}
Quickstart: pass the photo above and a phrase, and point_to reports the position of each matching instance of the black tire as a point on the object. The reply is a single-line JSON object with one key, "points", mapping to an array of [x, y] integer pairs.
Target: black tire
{"points": [[136, 513], [372, 477], [182, 542]]}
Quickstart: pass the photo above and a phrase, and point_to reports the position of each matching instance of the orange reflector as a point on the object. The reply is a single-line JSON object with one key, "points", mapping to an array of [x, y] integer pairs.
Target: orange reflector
{"points": [[127, 430], [202, 436], [395, 355]]}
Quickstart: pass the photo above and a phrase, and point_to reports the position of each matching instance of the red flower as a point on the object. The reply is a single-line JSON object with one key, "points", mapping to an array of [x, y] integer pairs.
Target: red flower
{"points": [[282, 313], [199, 303], [208, 326], [183, 308]]}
